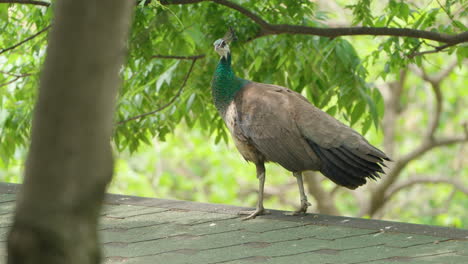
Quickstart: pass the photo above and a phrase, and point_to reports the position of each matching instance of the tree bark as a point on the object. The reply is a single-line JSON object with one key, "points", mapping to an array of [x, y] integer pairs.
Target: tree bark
{"points": [[70, 160]]}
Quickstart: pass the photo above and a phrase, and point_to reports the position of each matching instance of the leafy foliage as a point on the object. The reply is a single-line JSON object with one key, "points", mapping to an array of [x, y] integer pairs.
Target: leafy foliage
{"points": [[339, 75], [264, 60], [325, 70]]}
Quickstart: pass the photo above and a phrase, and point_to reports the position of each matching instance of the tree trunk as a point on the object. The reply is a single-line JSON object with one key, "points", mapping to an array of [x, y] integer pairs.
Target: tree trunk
{"points": [[70, 161]]}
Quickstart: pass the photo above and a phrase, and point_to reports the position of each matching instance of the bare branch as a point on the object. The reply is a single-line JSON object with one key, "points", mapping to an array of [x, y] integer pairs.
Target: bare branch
{"points": [[335, 190], [194, 57], [445, 72], [401, 163], [275, 29], [437, 78], [9, 82], [17, 77], [391, 93], [435, 116], [445, 10], [435, 50], [435, 81], [459, 185], [39, 3], [16, 74], [179, 92], [25, 40], [428, 143]]}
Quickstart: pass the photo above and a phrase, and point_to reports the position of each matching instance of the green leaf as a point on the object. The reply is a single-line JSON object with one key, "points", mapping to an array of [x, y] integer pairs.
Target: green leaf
{"points": [[366, 125], [358, 110], [281, 61], [190, 101], [332, 110], [420, 20], [404, 11], [166, 76], [462, 54], [460, 25], [4, 14]]}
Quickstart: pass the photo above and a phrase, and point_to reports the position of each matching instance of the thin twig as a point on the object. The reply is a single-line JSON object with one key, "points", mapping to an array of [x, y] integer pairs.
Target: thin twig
{"points": [[167, 104], [25, 40], [40, 3], [12, 81], [445, 10], [435, 50], [16, 75]]}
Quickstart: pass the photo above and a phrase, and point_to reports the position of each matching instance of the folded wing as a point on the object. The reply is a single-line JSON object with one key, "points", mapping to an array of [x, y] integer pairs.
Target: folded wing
{"points": [[287, 129]]}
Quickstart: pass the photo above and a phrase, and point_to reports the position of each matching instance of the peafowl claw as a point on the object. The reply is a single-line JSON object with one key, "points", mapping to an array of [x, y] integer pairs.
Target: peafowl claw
{"points": [[253, 214], [302, 209]]}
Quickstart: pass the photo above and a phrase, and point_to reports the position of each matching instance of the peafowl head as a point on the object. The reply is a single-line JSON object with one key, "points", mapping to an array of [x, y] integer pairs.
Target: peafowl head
{"points": [[221, 45]]}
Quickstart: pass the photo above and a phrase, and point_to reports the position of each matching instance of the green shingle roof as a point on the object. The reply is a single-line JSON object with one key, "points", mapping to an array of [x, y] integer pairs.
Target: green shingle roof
{"points": [[145, 230]]}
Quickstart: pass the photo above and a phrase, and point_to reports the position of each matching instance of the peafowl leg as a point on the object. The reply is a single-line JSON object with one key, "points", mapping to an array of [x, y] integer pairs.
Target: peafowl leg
{"points": [[304, 202], [260, 210]]}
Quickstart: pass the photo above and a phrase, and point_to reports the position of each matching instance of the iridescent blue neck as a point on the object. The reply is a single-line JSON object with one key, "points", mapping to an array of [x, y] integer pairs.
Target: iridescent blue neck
{"points": [[225, 84]]}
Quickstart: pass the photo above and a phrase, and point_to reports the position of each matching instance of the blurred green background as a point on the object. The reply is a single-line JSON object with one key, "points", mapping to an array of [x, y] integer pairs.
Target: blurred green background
{"points": [[183, 152]]}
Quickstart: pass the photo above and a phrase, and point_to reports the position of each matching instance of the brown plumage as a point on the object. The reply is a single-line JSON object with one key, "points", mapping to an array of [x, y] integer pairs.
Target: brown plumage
{"points": [[270, 123], [274, 123]]}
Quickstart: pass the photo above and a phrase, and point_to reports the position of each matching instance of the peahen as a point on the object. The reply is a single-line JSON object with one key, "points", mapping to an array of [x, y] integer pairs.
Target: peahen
{"points": [[270, 123]]}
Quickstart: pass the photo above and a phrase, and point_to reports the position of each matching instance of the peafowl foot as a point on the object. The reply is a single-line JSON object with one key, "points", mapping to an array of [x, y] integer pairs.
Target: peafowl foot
{"points": [[303, 209], [253, 214]]}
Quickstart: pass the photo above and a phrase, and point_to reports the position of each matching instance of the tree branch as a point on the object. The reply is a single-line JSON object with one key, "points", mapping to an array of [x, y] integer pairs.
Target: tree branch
{"points": [[391, 93], [168, 103], [275, 29], [438, 78], [435, 82], [435, 117], [16, 75], [426, 180], [428, 142], [435, 50], [25, 40], [12, 81], [445, 11], [401, 163], [40, 3]]}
